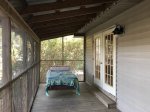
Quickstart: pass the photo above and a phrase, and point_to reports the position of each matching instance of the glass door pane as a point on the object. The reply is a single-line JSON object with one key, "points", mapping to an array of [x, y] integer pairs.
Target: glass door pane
{"points": [[97, 58], [109, 59]]}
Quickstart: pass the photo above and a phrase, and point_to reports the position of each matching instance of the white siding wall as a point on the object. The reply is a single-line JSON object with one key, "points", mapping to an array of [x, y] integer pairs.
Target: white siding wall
{"points": [[133, 58], [89, 61]]}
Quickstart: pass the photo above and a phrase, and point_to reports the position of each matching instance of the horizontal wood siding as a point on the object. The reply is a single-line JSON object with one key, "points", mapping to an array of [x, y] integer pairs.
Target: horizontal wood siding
{"points": [[89, 61], [133, 58]]}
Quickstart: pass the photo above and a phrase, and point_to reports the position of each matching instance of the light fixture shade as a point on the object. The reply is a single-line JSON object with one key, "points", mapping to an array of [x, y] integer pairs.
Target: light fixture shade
{"points": [[79, 35], [118, 30]]}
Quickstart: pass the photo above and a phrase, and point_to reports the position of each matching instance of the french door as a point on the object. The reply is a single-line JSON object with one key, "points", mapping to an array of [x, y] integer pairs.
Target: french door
{"points": [[109, 62], [98, 60], [105, 61]]}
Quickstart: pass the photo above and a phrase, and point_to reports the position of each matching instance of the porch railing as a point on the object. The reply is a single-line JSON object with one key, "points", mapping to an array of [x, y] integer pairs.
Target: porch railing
{"points": [[18, 94]]}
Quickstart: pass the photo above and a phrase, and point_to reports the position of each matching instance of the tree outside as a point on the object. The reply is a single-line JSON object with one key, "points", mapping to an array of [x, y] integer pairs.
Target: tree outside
{"points": [[67, 51]]}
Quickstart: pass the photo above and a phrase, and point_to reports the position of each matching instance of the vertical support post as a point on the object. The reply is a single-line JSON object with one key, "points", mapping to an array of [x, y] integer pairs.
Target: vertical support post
{"points": [[39, 60], [6, 55], [6, 50], [24, 81], [24, 36], [32, 47], [84, 58], [62, 50]]}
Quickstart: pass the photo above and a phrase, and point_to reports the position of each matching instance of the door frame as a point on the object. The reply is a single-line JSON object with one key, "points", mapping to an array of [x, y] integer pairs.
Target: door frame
{"points": [[107, 87], [101, 83], [97, 81]]}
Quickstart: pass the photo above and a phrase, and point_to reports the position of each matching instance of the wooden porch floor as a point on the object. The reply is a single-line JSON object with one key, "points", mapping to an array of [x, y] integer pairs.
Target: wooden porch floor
{"points": [[68, 101]]}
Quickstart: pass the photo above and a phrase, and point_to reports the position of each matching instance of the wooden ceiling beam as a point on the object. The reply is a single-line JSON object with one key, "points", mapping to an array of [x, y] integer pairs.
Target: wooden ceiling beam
{"points": [[59, 29], [62, 21], [66, 14], [61, 4], [19, 4], [61, 25], [57, 34], [25, 3]]}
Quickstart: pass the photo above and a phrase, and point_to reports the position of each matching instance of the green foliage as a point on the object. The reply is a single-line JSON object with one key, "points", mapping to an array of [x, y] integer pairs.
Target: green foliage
{"points": [[16, 52], [53, 50], [69, 53], [73, 49]]}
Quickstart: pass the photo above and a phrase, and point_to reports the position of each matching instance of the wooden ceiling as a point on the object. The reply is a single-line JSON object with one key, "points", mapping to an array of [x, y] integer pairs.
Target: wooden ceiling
{"points": [[59, 17]]}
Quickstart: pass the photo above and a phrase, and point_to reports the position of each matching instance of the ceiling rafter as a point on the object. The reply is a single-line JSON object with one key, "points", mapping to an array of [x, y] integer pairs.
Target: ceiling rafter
{"points": [[83, 19], [60, 5], [65, 14], [25, 3], [63, 20], [61, 25], [63, 17], [59, 29], [19, 4], [57, 34]]}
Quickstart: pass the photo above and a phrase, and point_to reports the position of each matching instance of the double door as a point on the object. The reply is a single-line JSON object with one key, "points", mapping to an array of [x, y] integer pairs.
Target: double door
{"points": [[105, 61]]}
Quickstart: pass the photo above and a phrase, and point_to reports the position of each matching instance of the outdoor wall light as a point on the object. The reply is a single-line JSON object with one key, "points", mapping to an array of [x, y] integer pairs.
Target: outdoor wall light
{"points": [[119, 29], [79, 35]]}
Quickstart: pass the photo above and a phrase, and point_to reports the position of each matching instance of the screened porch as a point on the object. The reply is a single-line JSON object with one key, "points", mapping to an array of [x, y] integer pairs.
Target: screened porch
{"points": [[36, 35], [25, 59]]}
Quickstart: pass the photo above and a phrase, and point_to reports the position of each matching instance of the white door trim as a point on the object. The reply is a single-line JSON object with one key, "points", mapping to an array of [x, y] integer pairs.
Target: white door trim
{"points": [[98, 82], [101, 83], [106, 87]]}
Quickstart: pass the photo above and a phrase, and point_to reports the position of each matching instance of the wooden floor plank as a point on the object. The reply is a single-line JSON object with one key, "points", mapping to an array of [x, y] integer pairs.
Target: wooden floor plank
{"points": [[68, 101]]}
